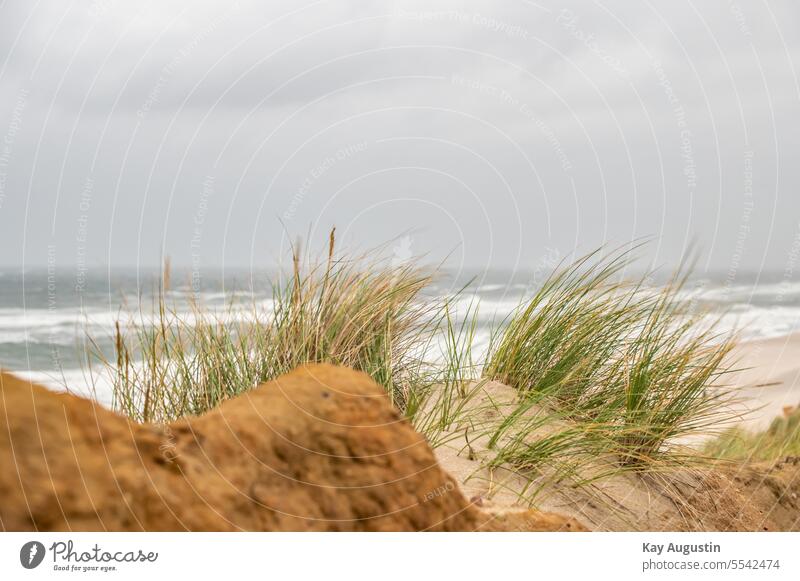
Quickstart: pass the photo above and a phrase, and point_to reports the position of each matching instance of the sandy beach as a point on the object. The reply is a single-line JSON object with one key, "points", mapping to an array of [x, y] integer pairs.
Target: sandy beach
{"points": [[769, 376]]}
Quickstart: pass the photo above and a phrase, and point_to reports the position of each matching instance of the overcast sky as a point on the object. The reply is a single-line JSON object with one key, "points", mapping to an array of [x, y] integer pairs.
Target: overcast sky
{"points": [[496, 132]]}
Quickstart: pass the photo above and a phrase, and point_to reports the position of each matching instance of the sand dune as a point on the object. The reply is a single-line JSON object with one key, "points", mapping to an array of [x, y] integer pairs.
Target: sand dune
{"points": [[317, 449], [702, 497]]}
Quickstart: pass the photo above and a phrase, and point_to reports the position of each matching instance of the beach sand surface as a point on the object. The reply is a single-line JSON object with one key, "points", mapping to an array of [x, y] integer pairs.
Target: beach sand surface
{"points": [[768, 377]]}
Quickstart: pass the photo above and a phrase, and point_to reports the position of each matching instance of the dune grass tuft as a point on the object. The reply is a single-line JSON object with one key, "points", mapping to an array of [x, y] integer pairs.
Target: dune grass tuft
{"points": [[635, 366], [362, 313]]}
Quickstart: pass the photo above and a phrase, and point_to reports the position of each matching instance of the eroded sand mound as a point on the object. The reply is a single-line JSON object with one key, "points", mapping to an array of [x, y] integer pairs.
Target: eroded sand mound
{"points": [[320, 448]]}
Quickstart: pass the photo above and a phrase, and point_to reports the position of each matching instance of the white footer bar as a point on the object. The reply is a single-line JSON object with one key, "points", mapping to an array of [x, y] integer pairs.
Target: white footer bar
{"points": [[423, 556]]}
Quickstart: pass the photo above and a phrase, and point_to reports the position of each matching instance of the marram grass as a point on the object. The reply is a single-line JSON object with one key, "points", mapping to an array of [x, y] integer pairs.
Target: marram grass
{"points": [[359, 312], [636, 367], [604, 367]]}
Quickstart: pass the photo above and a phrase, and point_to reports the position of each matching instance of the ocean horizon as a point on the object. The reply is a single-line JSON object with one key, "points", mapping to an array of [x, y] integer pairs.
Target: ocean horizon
{"points": [[46, 316]]}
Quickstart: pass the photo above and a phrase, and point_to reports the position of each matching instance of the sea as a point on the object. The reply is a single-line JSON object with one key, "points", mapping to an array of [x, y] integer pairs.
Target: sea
{"points": [[47, 316]]}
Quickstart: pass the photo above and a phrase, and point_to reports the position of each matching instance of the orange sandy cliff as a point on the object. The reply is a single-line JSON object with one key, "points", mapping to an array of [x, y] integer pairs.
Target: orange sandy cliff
{"points": [[320, 448]]}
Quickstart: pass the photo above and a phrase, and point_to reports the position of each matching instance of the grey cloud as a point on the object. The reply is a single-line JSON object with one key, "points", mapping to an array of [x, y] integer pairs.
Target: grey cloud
{"points": [[492, 130]]}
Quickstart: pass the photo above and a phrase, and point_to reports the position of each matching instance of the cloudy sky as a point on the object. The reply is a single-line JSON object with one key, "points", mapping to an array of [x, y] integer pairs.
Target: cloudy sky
{"points": [[492, 132]]}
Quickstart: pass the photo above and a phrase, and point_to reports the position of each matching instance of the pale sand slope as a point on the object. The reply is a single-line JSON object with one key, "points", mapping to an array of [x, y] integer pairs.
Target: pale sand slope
{"points": [[769, 378], [675, 499], [742, 498]]}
